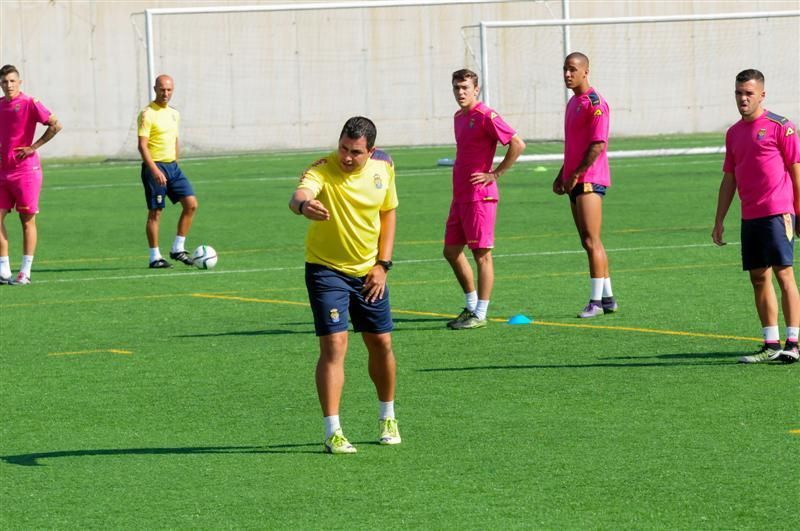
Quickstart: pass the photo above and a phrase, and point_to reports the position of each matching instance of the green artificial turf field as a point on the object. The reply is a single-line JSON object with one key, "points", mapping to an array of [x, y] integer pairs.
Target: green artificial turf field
{"points": [[137, 398]]}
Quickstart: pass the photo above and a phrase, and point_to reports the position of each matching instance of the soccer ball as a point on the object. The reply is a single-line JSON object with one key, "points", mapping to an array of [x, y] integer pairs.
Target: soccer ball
{"points": [[204, 257]]}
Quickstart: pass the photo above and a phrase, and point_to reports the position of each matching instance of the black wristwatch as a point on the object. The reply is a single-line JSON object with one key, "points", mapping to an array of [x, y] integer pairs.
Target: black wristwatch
{"points": [[386, 264]]}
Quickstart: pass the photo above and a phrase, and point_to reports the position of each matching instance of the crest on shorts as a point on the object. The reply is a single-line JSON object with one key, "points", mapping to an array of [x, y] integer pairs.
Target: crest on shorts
{"points": [[761, 134], [159, 198], [334, 313], [378, 181]]}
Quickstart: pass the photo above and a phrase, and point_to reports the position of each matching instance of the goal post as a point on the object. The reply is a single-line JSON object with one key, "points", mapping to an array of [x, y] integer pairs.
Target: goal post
{"points": [[660, 74]]}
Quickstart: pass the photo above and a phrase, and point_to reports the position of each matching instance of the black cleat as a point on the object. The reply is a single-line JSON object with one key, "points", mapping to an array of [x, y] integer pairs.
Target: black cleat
{"points": [[160, 264], [182, 256]]}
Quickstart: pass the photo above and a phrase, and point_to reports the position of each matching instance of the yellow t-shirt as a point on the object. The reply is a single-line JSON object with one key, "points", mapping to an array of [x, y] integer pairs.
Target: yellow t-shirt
{"points": [[160, 126], [348, 241]]}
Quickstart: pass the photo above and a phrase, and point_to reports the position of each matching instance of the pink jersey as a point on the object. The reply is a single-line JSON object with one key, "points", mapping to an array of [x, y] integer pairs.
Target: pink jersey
{"points": [[477, 133], [586, 121], [18, 119], [759, 154]]}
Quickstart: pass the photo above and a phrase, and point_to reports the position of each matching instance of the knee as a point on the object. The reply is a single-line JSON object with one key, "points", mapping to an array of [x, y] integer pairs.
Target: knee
{"points": [[482, 257], [451, 254], [190, 205], [27, 220], [153, 216]]}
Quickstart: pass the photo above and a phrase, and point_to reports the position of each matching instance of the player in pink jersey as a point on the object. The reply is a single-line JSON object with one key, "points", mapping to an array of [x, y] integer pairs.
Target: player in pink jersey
{"points": [[20, 169], [762, 163], [473, 210], [585, 176]]}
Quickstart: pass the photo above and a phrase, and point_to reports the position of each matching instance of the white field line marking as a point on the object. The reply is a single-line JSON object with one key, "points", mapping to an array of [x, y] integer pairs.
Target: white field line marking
{"points": [[192, 274]]}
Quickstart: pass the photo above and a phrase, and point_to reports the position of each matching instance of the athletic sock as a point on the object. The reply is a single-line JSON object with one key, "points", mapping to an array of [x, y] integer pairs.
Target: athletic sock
{"points": [[471, 300], [27, 262], [771, 334], [386, 410], [155, 254], [331, 425], [481, 309], [791, 333], [5, 267], [607, 293], [597, 289], [177, 245]]}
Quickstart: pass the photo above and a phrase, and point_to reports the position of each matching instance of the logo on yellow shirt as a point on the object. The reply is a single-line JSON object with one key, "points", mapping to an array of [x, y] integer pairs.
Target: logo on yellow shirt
{"points": [[377, 180], [334, 315]]}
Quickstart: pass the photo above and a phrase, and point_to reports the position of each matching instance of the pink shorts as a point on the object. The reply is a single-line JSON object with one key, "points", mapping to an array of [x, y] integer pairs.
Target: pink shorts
{"points": [[20, 190], [471, 224]]}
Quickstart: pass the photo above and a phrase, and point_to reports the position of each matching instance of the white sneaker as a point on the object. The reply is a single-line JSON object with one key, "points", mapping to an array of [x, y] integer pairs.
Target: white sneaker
{"points": [[21, 280]]}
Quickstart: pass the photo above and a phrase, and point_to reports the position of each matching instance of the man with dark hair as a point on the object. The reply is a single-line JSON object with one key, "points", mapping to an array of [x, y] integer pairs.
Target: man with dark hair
{"points": [[161, 176], [762, 163], [473, 210], [350, 198], [585, 176], [20, 169]]}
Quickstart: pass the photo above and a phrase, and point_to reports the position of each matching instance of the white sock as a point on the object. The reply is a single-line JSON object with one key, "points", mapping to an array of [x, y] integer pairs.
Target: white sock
{"points": [[331, 425], [471, 300], [607, 287], [155, 254], [792, 332], [481, 309], [386, 410], [177, 245], [597, 289], [5, 267], [27, 262], [771, 334]]}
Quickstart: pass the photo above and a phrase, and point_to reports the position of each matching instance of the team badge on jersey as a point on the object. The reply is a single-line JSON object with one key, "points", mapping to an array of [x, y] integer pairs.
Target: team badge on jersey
{"points": [[378, 181], [16, 107], [761, 134], [334, 313], [471, 123], [598, 112]]}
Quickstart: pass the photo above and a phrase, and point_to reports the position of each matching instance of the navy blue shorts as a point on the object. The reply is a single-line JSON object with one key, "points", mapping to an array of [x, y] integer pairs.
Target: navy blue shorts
{"points": [[333, 295], [768, 241], [586, 188], [178, 186]]}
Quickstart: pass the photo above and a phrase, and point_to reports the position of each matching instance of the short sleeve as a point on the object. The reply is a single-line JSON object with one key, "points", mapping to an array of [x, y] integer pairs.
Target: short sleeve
{"points": [[390, 202], [40, 112], [598, 123], [730, 164], [145, 124], [789, 144], [500, 129], [312, 179]]}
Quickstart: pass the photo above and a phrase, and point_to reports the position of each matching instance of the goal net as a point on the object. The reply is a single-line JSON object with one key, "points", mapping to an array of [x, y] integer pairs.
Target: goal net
{"points": [[658, 77]]}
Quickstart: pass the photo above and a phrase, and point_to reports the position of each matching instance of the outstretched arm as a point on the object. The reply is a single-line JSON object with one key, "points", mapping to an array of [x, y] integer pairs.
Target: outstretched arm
{"points": [[303, 203]]}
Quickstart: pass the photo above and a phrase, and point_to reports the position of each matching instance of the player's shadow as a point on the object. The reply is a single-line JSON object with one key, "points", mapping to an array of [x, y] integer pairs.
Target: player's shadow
{"points": [[621, 365], [248, 333], [32, 459], [681, 356]]}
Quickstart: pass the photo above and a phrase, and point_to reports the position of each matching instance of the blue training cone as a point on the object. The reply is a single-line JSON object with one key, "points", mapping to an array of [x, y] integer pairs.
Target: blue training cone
{"points": [[520, 319]]}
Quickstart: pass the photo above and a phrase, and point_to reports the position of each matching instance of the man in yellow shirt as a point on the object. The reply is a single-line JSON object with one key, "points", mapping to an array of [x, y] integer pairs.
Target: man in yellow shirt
{"points": [[350, 198], [161, 176]]}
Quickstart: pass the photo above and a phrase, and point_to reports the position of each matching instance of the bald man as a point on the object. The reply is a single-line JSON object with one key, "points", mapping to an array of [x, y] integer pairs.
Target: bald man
{"points": [[161, 176], [585, 176]]}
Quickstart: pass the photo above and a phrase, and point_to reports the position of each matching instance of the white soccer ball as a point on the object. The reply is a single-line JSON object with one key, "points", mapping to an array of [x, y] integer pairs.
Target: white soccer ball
{"points": [[204, 257]]}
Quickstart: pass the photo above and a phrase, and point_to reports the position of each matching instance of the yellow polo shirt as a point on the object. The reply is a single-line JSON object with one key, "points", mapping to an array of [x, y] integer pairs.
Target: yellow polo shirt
{"points": [[160, 126], [348, 241]]}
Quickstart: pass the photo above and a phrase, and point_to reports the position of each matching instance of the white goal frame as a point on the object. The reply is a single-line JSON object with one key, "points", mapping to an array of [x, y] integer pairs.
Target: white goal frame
{"points": [[150, 14], [565, 23]]}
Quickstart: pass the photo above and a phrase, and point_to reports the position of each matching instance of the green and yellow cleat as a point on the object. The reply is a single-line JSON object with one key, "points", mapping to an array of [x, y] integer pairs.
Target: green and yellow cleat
{"points": [[389, 432]]}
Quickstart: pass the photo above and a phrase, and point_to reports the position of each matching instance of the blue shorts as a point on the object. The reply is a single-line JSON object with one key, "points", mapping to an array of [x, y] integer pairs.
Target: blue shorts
{"points": [[768, 241], [333, 295], [178, 186], [586, 188]]}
